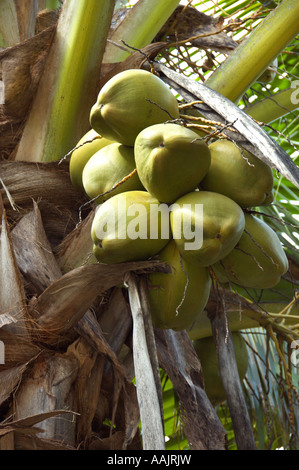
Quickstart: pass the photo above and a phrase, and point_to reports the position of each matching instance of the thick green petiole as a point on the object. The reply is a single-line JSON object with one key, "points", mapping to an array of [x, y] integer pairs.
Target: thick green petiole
{"points": [[269, 109], [255, 53], [60, 112], [139, 27]]}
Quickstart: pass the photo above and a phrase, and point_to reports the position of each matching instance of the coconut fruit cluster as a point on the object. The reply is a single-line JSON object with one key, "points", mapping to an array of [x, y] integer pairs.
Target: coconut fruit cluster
{"points": [[162, 191]]}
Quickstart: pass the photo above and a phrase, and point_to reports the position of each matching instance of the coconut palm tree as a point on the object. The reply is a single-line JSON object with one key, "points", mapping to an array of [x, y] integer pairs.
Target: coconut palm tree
{"points": [[82, 366]]}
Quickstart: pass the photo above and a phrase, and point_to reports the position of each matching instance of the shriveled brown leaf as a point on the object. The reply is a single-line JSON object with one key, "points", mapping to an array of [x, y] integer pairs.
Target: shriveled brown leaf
{"points": [[20, 69], [22, 434], [7, 441], [23, 441], [33, 252], [89, 328], [26, 13], [18, 349], [49, 185], [177, 357], [134, 61], [131, 416], [58, 221], [113, 442], [22, 66], [66, 300], [12, 293], [87, 386], [9, 379], [188, 22], [116, 320], [76, 248], [45, 19], [32, 420], [10, 133], [121, 406], [50, 181]]}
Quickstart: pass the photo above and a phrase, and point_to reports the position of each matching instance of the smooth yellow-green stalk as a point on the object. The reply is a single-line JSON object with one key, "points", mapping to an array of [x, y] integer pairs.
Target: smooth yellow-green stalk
{"points": [[255, 53], [139, 27], [60, 112], [269, 109], [52, 4]]}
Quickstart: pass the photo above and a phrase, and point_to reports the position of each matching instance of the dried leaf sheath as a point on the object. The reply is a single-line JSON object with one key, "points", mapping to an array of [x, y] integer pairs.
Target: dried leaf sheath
{"points": [[48, 387], [27, 181], [12, 293], [34, 253], [177, 357], [22, 66], [9, 380]]}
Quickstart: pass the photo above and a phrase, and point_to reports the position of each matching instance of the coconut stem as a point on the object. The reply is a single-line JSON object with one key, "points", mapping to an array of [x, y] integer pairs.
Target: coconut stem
{"points": [[254, 54]]}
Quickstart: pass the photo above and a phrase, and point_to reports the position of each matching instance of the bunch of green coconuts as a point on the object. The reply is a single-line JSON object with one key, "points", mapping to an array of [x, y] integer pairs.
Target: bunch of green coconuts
{"points": [[158, 184], [150, 175]]}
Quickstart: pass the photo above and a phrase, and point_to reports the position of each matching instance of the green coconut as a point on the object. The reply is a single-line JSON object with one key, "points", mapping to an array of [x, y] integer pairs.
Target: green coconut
{"points": [[129, 102], [130, 226], [239, 175], [106, 168], [206, 351], [88, 145], [258, 260], [177, 298], [206, 226], [171, 160]]}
